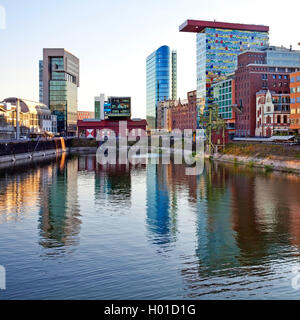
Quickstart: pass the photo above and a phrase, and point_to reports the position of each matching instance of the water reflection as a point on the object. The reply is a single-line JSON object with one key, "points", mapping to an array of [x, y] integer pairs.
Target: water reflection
{"points": [[231, 232], [59, 215]]}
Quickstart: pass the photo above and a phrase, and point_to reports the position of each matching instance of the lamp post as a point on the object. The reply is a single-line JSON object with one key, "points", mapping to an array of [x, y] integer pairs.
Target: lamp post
{"points": [[17, 119]]}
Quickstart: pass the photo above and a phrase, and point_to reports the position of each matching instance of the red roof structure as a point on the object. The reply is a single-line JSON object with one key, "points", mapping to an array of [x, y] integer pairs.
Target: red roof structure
{"points": [[199, 25]]}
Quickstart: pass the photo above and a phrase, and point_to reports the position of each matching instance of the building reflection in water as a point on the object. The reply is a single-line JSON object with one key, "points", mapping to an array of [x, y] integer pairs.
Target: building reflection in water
{"points": [[165, 185], [59, 208], [245, 218], [51, 191], [112, 183]]}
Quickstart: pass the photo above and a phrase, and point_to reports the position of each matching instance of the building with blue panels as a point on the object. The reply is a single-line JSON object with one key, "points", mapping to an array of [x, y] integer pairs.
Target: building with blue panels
{"points": [[218, 45], [161, 76]]}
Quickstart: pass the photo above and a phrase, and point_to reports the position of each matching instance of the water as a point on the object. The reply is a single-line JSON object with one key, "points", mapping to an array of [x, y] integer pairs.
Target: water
{"points": [[72, 230]]}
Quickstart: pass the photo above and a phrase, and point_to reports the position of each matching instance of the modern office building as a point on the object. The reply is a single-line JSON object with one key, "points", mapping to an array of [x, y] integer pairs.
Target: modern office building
{"points": [[224, 97], [174, 75], [60, 85], [41, 86], [281, 56], [295, 101], [161, 81], [218, 45]]}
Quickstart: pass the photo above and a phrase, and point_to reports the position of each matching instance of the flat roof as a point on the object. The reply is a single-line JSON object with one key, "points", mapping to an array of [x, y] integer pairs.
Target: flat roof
{"points": [[199, 25]]}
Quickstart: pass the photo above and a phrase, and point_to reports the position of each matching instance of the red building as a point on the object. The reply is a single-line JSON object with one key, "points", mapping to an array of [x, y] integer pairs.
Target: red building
{"points": [[184, 116], [252, 76], [89, 128]]}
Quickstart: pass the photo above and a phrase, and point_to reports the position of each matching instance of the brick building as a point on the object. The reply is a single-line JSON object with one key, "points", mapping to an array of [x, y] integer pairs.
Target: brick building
{"points": [[295, 101], [184, 115], [272, 113], [178, 114], [252, 76]]}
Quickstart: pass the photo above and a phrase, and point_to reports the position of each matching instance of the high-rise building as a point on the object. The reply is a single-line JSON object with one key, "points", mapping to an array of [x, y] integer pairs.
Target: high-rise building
{"points": [[218, 45], [60, 85], [174, 75], [161, 81], [41, 86]]}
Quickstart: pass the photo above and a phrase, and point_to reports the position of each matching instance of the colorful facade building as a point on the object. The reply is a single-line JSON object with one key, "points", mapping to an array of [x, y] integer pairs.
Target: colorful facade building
{"points": [[161, 82], [272, 114], [252, 76], [295, 101], [224, 98], [218, 45]]}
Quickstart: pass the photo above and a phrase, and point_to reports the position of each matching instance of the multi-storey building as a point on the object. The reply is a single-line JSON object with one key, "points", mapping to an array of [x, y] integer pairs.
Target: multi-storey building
{"points": [[178, 114], [224, 97], [218, 45], [253, 75], [41, 83], [272, 113], [60, 85], [184, 115], [34, 118], [164, 120], [295, 101], [161, 81]]}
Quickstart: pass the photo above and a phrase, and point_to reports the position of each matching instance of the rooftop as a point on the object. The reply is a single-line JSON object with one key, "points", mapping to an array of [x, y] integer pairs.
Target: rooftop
{"points": [[199, 25]]}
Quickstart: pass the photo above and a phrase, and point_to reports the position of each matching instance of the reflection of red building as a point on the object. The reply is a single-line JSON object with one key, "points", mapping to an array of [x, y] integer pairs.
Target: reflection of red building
{"points": [[89, 128]]}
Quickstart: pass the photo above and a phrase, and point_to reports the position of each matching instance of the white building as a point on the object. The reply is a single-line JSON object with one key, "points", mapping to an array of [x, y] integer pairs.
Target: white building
{"points": [[272, 113]]}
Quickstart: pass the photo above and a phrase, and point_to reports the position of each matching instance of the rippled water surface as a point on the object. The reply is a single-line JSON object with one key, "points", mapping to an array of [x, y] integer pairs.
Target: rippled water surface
{"points": [[74, 230]]}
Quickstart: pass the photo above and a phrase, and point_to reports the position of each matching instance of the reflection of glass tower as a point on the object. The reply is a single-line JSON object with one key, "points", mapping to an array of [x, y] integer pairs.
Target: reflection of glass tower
{"points": [[158, 203], [161, 81], [218, 45], [59, 220]]}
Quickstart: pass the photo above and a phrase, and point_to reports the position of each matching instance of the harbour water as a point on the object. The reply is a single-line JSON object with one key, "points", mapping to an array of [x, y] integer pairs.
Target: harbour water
{"points": [[72, 229]]}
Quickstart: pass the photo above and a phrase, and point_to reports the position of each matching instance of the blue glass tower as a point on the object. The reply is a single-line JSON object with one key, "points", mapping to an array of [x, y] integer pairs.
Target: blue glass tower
{"points": [[161, 80]]}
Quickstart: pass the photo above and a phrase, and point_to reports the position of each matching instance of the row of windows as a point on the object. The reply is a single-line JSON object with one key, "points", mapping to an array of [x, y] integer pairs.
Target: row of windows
{"points": [[293, 100], [293, 79], [294, 90]]}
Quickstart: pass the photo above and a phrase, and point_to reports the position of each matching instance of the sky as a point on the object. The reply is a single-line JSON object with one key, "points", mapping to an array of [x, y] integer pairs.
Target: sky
{"points": [[113, 38]]}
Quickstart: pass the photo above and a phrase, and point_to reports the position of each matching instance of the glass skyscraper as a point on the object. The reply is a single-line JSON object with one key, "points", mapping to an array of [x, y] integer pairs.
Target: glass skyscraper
{"points": [[161, 81], [60, 83], [218, 45]]}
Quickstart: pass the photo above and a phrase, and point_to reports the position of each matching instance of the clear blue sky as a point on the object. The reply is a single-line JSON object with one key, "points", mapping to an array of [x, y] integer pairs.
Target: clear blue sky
{"points": [[113, 38]]}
